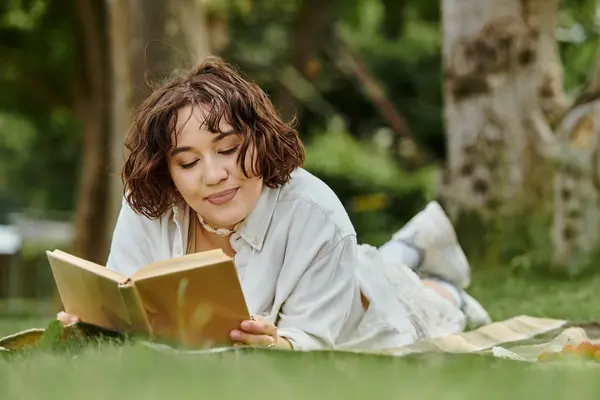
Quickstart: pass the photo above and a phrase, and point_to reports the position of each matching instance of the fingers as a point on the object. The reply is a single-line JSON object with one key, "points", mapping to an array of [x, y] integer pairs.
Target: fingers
{"points": [[257, 332], [259, 326], [240, 337], [66, 319]]}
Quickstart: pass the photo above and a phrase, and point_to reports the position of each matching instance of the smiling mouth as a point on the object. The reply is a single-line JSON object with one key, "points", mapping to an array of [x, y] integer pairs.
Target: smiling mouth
{"points": [[222, 197]]}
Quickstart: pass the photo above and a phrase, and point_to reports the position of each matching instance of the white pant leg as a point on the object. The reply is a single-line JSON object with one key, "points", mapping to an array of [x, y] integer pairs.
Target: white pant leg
{"points": [[398, 252], [429, 313]]}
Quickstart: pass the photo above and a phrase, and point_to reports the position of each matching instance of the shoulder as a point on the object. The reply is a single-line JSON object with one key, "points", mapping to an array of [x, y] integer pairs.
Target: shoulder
{"points": [[311, 199], [135, 239], [131, 220]]}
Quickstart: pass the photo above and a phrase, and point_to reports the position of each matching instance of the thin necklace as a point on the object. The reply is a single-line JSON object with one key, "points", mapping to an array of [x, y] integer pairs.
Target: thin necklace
{"points": [[222, 232]]}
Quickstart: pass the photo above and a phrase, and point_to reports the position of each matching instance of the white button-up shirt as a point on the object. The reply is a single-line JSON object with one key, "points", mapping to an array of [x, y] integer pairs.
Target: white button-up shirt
{"points": [[297, 258]]}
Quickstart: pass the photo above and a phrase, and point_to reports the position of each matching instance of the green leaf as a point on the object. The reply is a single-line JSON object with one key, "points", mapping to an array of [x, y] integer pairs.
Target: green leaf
{"points": [[51, 335]]}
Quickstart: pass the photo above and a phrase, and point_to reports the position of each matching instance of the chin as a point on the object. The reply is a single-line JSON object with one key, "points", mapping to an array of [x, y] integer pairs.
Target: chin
{"points": [[224, 219], [229, 224]]}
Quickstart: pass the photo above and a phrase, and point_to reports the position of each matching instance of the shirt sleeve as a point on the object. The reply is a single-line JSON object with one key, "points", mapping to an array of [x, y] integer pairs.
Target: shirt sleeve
{"points": [[130, 248], [326, 295]]}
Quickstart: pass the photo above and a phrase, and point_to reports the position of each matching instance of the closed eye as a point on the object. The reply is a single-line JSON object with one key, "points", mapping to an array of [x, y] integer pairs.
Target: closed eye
{"points": [[229, 151], [188, 165]]}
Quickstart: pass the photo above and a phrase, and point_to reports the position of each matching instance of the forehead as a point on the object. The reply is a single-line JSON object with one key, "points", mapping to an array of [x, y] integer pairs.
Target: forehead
{"points": [[199, 119]]}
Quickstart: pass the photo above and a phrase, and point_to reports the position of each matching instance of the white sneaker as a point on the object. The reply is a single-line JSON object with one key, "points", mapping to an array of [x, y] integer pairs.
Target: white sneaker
{"points": [[432, 233], [474, 311]]}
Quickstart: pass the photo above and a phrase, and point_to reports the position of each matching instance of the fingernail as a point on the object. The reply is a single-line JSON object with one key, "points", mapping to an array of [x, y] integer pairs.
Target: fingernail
{"points": [[73, 320], [235, 335], [246, 325]]}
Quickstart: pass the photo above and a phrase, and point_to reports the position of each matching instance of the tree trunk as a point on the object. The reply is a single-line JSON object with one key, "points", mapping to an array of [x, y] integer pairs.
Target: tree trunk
{"points": [[149, 41], [120, 23], [138, 53], [577, 182], [542, 16], [92, 106], [192, 21], [492, 52]]}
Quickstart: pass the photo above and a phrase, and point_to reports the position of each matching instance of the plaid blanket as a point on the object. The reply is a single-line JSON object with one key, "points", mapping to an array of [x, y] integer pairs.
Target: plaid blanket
{"points": [[521, 338], [517, 329]]}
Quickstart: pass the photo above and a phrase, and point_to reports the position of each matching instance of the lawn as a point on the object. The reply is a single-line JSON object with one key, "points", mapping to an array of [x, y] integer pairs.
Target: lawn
{"points": [[135, 372]]}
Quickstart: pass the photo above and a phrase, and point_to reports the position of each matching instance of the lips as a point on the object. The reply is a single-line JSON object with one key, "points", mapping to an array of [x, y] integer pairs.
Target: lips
{"points": [[222, 197]]}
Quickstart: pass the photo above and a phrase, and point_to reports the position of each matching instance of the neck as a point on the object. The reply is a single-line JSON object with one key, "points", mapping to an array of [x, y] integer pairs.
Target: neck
{"points": [[216, 226], [218, 230]]}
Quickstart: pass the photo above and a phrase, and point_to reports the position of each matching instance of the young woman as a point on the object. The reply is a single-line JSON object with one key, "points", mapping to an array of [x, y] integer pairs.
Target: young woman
{"points": [[211, 165]]}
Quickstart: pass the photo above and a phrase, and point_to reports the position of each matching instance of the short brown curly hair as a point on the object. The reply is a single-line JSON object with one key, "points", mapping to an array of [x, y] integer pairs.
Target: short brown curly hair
{"points": [[148, 187]]}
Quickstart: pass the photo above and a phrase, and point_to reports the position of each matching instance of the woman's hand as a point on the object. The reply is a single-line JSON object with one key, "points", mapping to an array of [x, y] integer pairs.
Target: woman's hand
{"points": [[259, 332], [66, 319]]}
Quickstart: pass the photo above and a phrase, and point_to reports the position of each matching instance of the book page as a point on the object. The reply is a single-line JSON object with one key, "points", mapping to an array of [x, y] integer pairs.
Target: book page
{"points": [[196, 307], [87, 265], [89, 291], [186, 262]]}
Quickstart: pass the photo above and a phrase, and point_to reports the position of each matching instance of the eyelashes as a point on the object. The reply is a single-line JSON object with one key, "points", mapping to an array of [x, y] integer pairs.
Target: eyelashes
{"points": [[189, 165], [226, 152], [229, 151]]}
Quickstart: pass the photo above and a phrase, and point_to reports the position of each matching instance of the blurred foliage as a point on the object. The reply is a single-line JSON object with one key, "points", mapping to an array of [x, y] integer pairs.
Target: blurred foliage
{"points": [[39, 134], [399, 40], [578, 35], [378, 195]]}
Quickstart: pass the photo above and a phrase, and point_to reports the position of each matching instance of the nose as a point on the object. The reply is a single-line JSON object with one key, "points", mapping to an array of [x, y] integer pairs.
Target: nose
{"points": [[214, 172]]}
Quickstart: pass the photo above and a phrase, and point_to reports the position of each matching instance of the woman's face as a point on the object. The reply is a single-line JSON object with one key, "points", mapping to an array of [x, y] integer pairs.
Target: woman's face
{"points": [[204, 169]]}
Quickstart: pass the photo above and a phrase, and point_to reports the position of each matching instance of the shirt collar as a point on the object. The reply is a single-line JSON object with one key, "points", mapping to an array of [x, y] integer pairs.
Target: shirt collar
{"points": [[254, 228], [180, 210]]}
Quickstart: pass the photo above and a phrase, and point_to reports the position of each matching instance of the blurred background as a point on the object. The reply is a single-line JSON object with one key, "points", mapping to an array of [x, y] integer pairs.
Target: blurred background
{"points": [[486, 106]]}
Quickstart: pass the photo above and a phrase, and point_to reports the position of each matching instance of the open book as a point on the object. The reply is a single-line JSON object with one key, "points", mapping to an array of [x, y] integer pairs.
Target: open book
{"points": [[194, 300]]}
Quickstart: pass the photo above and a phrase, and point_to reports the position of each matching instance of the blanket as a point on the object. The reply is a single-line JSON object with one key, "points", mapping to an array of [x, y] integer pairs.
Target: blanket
{"points": [[513, 330]]}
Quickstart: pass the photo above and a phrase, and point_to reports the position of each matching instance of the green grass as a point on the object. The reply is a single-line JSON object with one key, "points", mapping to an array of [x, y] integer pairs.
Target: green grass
{"points": [[505, 295], [135, 372]]}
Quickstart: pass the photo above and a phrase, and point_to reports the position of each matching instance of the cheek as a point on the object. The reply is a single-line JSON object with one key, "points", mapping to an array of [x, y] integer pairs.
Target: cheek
{"points": [[253, 189], [183, 181], [248, 163], [235, 170]]}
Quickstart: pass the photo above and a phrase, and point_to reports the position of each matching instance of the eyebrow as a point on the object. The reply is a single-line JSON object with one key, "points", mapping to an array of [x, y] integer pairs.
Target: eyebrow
{"points": [[223, 135], [178, 150]]}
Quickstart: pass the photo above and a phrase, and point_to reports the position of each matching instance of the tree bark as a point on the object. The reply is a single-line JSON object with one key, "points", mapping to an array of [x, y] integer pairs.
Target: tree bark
{"points": [[492, 52], [92, 106], [577, 181], [542, 16], [120, 23], [138, 53], [192, 20]]}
